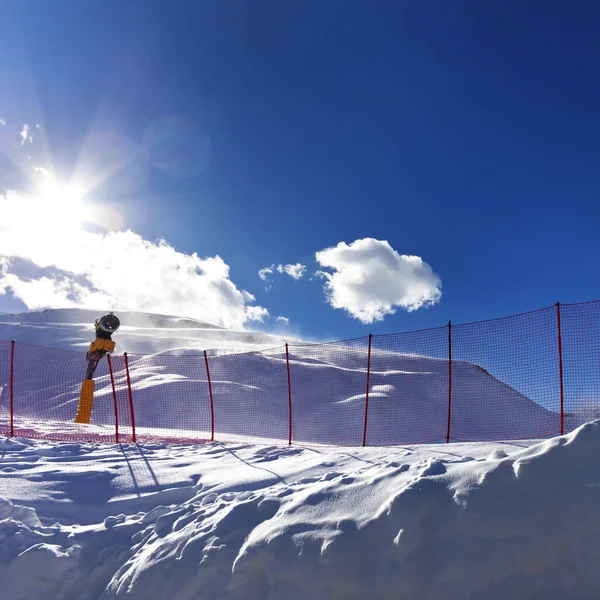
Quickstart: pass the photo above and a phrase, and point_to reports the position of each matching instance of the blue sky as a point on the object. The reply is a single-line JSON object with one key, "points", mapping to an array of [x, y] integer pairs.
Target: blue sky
{"points": [[464, 133]]}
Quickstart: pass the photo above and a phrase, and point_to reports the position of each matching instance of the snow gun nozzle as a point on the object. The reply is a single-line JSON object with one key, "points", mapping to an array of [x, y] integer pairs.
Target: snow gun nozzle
{"points": [[108, 323]]}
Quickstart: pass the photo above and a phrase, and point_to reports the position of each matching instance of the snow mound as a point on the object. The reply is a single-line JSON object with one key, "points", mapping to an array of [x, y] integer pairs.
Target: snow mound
{"points": [[226, 522]]}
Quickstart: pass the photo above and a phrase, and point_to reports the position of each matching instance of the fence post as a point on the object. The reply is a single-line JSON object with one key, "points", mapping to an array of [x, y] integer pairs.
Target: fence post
{"points": [[560, 372], [367, 392], [11, 389], [212, 406], [287, 360], [131, 412], [114, 391], [449, 380]]}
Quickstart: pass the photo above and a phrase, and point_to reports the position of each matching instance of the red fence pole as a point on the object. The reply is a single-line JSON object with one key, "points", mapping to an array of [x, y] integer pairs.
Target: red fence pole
{"points": [[12, 379], [367, 392], [212, 406], [130, 397], [560, 372], [114, 391], [449, 380], [287, 359]]}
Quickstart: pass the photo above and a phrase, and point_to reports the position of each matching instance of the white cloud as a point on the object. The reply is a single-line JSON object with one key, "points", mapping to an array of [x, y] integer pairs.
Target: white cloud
{"points": [[295, 271], [4, 264], [370, 279], [42, 171], [256, 313], [2, 122], [25, 136], [265, 272], [48, 260], [283, 320]]}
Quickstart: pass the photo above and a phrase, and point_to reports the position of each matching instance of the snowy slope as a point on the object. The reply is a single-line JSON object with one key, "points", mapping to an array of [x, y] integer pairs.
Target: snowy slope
{"points": [[232, 522], [408, 393], [143, 333]]}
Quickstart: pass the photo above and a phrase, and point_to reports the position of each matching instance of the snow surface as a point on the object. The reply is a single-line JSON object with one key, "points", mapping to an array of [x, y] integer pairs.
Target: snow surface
{"points": [[239, 521], [259, 521]]}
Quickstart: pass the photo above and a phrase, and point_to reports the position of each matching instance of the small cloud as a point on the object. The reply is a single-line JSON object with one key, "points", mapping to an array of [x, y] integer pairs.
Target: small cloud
{"points": [[256, 313], [283, 320], [294, 271], [370, 279], [25, 136], [248, 297], [265, 272], [2, 122], [42, 171]]}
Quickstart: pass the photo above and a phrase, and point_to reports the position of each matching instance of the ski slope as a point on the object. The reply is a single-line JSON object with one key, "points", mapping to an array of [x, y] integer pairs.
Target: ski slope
{"points": [[255, 522], [408, 393], [140, 333]]}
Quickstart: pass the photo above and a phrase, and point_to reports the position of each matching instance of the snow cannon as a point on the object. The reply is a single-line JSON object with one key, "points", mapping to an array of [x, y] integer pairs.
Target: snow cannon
{"points": [[100, 347]]}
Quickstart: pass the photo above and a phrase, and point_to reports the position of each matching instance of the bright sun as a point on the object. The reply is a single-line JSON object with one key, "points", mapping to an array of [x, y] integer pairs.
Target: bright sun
{"points": [[61, 206]]}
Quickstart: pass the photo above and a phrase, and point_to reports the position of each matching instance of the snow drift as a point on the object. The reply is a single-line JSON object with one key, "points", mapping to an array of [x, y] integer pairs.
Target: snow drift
{"points": [[232, 522]]}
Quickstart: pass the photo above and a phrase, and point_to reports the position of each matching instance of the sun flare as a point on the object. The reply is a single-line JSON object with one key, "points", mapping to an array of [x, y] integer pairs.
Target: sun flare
{"points": [[61, 206]]}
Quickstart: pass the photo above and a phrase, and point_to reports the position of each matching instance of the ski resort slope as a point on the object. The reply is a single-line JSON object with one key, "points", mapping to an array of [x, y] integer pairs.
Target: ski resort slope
{"points": [[140, 333], [408, 393], [255, 519], [239, 521]]}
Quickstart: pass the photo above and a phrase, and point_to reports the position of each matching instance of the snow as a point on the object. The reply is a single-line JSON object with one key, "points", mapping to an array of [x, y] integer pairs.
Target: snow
{"points": [[232, 521], [254, 519], [144, 333]]}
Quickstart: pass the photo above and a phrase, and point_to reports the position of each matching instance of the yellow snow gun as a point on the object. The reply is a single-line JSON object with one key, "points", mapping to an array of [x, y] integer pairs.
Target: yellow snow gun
{"points": [[100, 347]]}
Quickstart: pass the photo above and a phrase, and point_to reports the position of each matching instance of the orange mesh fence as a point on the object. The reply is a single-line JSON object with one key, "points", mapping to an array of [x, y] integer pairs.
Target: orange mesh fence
{"points": [[169, 396], [250, 394], [328, 392], [505, 378], [5, 392], [47, 383], [580, 329], [408, 396], [118, 389], [529, 376]]}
